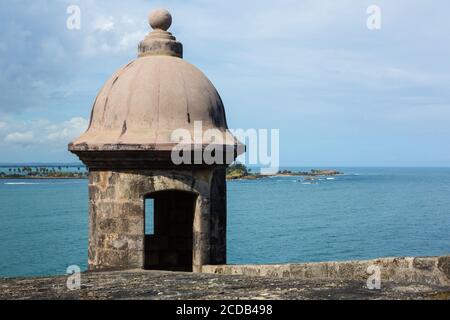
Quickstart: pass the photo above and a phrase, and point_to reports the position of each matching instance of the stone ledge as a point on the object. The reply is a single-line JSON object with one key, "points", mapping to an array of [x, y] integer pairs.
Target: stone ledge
{"points": [[159, 285], [423, 270], [401, 278]]}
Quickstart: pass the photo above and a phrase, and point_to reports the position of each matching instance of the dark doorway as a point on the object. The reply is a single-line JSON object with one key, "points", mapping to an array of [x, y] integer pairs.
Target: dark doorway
{"points": [[169, 247]]}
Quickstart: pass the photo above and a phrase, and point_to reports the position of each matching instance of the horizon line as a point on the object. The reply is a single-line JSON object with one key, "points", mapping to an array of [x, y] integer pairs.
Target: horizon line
{"points": [[19, 164]]}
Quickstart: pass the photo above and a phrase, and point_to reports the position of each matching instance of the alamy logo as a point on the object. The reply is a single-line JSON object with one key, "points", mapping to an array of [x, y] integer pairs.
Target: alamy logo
{"points": [[73, 22], [213, 146], [374, 19], [374, 280], [74, 279]]}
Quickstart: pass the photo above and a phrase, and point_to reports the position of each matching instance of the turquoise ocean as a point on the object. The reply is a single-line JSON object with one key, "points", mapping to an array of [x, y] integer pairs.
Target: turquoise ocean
{"points": [[365, 213]]}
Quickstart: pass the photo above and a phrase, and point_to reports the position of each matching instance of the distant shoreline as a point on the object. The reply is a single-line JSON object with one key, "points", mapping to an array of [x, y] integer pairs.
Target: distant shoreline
{"points": [[233, 174], [43, 178]]}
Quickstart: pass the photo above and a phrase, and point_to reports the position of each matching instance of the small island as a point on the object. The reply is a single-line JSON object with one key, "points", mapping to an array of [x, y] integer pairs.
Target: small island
{"points": [[240, 171], [58, 172]]}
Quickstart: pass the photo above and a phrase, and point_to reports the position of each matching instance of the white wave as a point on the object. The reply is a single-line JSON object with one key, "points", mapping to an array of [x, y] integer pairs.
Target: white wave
{"points": [[331, 179], [21, 183]]}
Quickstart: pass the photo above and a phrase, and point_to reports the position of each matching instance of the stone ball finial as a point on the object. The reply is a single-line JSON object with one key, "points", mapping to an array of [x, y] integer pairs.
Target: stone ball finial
{"points": [[160, 19]]}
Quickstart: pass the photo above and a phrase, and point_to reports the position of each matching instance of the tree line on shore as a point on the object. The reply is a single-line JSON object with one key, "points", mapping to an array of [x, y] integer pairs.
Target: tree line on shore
{"points": [[44, 172], [240, 171], [234, 171]]}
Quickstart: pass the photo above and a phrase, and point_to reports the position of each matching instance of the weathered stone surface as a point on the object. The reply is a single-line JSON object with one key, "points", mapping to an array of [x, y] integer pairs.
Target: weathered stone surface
{"points": [[444, 265], [423, 270], [157, 285], [142, 104], [189, 213]]}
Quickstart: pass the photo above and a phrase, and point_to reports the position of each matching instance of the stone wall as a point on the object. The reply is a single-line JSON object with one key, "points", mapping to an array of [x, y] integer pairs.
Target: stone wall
{"points": [[117, 214], [160, 285], [424, 270]]}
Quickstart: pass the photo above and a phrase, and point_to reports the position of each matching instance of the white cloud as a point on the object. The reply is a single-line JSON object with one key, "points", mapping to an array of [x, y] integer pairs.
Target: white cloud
{"points": [[114, 34], [104, 24], [130, 39], [66, 131], [2, 125], [44, 133], [119, 42], [20, 138]]}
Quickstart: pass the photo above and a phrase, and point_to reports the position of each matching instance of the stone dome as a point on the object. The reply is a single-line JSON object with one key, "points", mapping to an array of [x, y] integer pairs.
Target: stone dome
{"points": [[145, 101], [141, 105]]}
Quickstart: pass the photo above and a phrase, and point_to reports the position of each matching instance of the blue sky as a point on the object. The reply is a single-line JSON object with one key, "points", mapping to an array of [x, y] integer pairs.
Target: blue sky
{"points": [[341, 94]]}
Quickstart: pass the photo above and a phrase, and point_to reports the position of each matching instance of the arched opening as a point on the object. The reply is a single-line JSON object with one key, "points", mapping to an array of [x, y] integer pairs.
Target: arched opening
{"points": [[169, 230]]}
